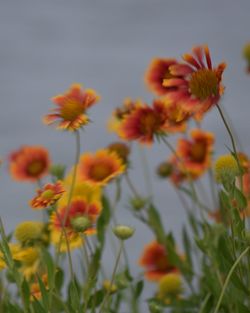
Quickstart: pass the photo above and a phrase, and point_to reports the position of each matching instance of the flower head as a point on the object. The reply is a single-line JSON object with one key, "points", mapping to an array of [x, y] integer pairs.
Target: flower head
{"points": [[29, 231], [226, 167], [78, 208], [155, 261], [121, 149], [169, 285], [195, 154], [70, 113], [47, 196], [99, 168], [197, 83], [29, 163], [157, 71]]}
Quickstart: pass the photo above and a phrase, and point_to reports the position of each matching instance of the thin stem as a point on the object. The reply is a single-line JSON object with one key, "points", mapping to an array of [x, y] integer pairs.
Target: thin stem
{"points": [[148, 182], [204, 303], [228, 278], [131, 186], [102, 308]]}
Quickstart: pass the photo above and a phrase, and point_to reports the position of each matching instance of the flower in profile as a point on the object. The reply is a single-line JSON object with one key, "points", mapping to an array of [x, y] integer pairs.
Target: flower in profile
{"points": [[157, 71], [30, 260], [100, 168], [155, 261], [226, 167], [121, 112], [170, 285], [195, 154], [70, 113], [197, 83], [47, 195], [143, 124], [29, 163], [29, 231], [67, 218]]}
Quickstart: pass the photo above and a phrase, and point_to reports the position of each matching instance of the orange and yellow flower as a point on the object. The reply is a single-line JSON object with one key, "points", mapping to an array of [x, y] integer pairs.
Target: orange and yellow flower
{"points": [[195, 154], [196, 83], [70, 113], [155, 261], [65, 217], [29, 163], [158, 70], [100, 168], [144, 123], [47, 195]]}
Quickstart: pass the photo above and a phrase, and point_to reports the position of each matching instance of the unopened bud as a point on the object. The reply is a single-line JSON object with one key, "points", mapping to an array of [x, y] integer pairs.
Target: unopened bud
{"points": [[121, 149], [165, 169], [58, 171], [123, 232], [137, 203]]}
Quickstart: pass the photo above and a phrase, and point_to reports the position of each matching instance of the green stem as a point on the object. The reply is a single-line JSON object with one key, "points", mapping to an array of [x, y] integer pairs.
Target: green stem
{"points": [[106, 298], [228, 278]]}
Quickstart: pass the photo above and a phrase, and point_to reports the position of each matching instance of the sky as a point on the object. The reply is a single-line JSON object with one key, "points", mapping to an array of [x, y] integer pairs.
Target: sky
{"points": [[47, 45]]}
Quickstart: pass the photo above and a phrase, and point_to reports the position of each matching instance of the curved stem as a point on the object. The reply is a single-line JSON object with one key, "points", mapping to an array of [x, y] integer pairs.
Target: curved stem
{"points": [[228, 278]]}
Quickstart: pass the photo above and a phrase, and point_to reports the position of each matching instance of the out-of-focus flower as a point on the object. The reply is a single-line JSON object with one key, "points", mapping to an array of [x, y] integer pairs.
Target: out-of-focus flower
{"points": [[30, 259], [164, 169], [29, 163], [58, 171], [29, 231], [246, 55], [70, 113], [195, 154], [121, 112], [144, 123], [157, 71], [155, 261], [78, 208], [121, 149], [197, 84], [110, 288], [170, 285], [225, 167], [35, 290], [47, 196], [99, 168], [172, 114]]}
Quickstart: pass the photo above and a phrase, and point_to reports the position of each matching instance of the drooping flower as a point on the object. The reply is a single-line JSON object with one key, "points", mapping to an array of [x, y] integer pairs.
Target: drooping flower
{"points": [[197, 83], [47, 196], [195, 154], [100, 168], [143, 124], [155, 261], [157, 71], [29, 163], [226, 167], [170, 285], [70, 113], [65, 217]]}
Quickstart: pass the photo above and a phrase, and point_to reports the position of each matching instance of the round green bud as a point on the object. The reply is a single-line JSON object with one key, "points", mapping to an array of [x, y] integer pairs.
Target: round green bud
{"points": [[123, 232], [80, 223]]}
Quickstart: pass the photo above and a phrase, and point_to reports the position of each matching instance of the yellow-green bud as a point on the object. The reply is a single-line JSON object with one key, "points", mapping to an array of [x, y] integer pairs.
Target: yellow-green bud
{"points": [[29, 231], [246, 55], [123, 232], [57, 170], [225, 168], [80, 223], [137, 203]]}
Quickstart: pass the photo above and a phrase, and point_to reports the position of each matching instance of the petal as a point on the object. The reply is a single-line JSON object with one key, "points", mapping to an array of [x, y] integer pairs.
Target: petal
{"points": [[174, 82], [180, 69], [191, 60]]}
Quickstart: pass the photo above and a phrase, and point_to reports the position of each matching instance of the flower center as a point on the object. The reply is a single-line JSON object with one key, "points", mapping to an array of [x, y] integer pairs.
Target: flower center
{"points": [[100, 171], [149, 123], [198, 151], [204, 84], [35, 168], [48, 194], [71, 109]]}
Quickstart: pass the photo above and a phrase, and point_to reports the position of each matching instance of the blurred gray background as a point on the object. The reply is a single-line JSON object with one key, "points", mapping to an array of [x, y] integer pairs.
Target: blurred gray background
{"points": [[106, 45]]}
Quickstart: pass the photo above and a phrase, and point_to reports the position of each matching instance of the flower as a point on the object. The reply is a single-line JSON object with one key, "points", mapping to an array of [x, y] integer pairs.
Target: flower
{"points": [[99, 168], [155, 261], [143, 124], [109, 287], [66, 216], [30, 260], [225, 167], [169, 285], [195, 155], [123, 232], [29, 163], [29, 231], [121, 149], [197, 84], [47, 196], [70, 113], [164, 169], [157, 71]]}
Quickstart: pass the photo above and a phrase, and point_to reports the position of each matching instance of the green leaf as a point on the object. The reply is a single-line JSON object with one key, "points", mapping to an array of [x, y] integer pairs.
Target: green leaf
{"points": [[96, 299], [59, 278], [103, 220], [240, 198], [38, 308], [155, 223], [25, 293], [74, 297], [50, 266], [138, 289], [44, 292]]}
